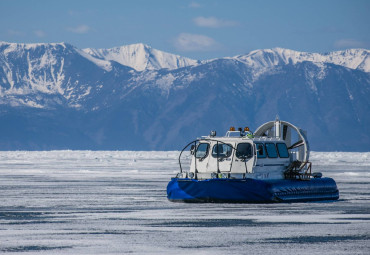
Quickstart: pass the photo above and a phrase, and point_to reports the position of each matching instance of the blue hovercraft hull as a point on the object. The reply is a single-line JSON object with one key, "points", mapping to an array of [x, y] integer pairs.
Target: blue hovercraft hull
{"points": [[251, 190]]}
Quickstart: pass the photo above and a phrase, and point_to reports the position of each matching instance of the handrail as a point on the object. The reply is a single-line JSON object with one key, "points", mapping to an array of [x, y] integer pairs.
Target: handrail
{"points": [[254, 154], [218, 164], [183, 151]]}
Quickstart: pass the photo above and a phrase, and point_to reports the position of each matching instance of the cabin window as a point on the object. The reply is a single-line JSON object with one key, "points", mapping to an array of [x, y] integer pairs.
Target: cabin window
{"points": [[282, 149], [261, 153], [202, 150], [271, 150], [244, 150], [221, 150]]}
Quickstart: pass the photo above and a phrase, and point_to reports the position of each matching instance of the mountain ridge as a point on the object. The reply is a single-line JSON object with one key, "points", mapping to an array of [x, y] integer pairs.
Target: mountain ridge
{"points": [[137, 56], [141, 57], [351, 58], [56, 96]]}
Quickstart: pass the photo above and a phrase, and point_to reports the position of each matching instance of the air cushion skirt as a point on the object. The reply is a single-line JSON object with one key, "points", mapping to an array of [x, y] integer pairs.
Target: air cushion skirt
{"points": [[251, 190]]}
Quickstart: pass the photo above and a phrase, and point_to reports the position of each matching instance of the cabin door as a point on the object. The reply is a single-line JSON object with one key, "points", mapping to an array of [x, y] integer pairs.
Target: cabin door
{"points": [[201, 157], [244, 158], [221, 157]]}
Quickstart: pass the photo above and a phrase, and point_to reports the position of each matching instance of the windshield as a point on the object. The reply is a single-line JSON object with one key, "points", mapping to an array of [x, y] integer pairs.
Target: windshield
{"points": [[202, 150], [221, 151], [244, 150]]}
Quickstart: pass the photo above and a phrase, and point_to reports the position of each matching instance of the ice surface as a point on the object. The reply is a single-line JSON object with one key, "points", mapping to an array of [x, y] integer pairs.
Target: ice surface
{"points": [[114, 202]]}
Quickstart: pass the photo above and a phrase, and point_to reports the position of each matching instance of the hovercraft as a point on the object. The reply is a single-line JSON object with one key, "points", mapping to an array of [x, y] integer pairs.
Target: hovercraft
{"points": [[269, 165]]}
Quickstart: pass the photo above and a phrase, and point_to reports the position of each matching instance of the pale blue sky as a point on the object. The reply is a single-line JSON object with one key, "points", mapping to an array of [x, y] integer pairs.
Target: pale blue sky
{"points": [[200, 29]]}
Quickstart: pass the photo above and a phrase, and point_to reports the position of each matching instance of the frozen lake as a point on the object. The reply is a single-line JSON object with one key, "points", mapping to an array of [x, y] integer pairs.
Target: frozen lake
{"points": [[114, 202]]}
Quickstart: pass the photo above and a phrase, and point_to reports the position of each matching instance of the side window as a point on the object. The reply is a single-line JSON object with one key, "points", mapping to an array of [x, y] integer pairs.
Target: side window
{"points": [[261, 153], [271, 150], [244, 150], [282, 149], [221, 151], [202, 150]]}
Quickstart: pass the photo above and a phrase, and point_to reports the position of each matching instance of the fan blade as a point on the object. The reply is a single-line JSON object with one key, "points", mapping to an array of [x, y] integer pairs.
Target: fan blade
{"points": [[297, 144], [285, 129]]}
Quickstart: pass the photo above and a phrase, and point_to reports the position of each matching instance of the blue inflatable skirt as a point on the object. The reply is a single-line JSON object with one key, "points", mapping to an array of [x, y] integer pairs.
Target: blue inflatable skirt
{"points": [[251, 190]]}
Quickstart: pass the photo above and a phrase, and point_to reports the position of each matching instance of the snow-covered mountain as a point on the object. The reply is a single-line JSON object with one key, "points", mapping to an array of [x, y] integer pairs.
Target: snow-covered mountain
{"points": [[55, 96], [352, 58], [142, 57]]}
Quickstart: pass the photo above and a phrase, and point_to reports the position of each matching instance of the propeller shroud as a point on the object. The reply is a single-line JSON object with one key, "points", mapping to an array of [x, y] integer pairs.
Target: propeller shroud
{"points": [[286, 131]]}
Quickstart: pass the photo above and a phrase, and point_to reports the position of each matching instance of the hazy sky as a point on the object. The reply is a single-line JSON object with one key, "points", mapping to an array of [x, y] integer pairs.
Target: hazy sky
{"points": [[199, 29]]}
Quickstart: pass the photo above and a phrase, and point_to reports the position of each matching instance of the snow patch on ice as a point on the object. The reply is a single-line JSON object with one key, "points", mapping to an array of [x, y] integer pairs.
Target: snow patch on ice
{"points": [[341, 158]]}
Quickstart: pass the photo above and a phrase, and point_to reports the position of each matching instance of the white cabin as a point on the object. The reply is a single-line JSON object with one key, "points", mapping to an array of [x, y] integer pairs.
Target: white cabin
{"points": [[266, 154]]}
